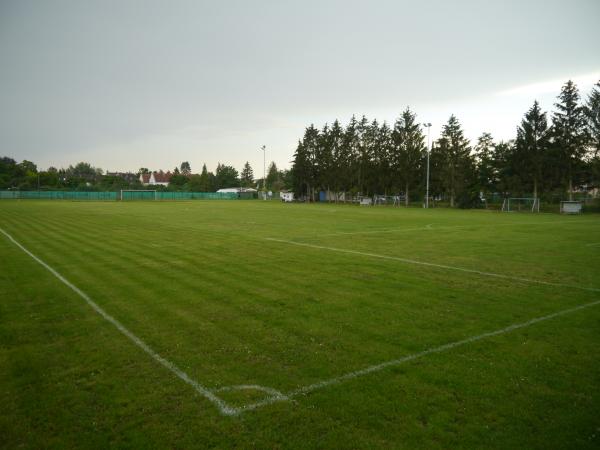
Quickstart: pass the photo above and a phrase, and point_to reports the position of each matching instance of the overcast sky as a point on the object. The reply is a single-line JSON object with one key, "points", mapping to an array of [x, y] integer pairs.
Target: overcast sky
{"points": [[124, 85]]}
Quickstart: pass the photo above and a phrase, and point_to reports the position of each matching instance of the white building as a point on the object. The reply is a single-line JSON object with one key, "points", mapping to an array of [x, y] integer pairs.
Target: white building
{"points": [[156, 178]]}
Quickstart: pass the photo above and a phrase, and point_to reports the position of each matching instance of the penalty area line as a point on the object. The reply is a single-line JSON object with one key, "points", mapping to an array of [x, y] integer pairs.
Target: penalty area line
{"points": [[435, 265], [439, 349], [396, 362], [223, 407]]}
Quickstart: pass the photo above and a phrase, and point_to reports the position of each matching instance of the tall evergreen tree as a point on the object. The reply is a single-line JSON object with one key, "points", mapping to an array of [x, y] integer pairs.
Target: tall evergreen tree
{"points": [[484, 154], [273, 177], [409, 144], [247, 176], [339, 158], [592, 111], [370, 143], [381, 160], [304, 168], [455, 150], [204, 182], [532, 146], [570, 135], [185, 168], [349, 155], [506, 168], [360, 154], [324, 159]]}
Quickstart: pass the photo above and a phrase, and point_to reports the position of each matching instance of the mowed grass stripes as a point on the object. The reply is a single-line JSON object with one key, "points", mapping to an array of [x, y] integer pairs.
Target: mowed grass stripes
{"points": [[199, 282]]}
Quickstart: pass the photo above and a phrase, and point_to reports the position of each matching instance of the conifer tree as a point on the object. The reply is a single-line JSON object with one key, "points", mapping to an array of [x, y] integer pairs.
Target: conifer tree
{"points": [[455, 151], [273, 177], [204, 182], [185, 168], [361, 154], [339, 159], [324, 159], [247, 176], [304, 170], [350, 150], [570, 136], [369, 147], [592, 111], [484, 154], [532, 146], [505, 160], [408, 148], [381, 159]]}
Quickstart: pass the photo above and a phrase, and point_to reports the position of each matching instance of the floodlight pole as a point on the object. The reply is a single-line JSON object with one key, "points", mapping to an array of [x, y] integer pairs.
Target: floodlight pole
{"points": [[428, 126], [264, 186]]}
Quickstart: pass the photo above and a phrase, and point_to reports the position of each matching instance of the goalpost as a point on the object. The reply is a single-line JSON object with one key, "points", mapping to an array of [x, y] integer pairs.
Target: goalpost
{"points": [[138, 194], [525, 204]]}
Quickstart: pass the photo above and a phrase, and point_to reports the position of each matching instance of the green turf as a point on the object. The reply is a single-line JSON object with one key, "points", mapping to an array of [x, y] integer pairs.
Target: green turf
{"points": [[200, 284]]}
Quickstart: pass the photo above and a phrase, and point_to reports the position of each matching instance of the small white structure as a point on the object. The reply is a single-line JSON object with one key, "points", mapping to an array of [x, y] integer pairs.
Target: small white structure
{"points": [[286, 197], [236, 190], [366, 201], [571, 207]]}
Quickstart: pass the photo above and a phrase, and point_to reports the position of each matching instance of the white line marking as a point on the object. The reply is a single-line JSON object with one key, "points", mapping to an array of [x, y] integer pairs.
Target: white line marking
{"points": [[223, 406], [428, 264], [396, 362], [383, 230], [595, 244], [429, 227], [273, 393]]}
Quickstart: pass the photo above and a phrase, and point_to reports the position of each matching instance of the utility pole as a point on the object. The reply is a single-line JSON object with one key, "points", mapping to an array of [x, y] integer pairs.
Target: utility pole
{"points": [[428, 126]]}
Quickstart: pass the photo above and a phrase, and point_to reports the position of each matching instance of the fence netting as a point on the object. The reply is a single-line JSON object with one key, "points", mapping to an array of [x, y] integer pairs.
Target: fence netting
{"points": [[107, 196]]}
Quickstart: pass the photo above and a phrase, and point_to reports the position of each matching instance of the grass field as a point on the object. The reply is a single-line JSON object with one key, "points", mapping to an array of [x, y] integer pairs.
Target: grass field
{"points": [[297, 326]]}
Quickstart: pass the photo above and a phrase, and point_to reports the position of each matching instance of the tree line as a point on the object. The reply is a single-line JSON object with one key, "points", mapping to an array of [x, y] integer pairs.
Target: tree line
{"points": [[546, 158], [84, 177], [226, 176]]}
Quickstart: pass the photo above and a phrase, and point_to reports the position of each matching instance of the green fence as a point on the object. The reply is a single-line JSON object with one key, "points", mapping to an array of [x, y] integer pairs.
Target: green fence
{"points": [[137, 195], [195, 195], [126, 195], [59, 195]]}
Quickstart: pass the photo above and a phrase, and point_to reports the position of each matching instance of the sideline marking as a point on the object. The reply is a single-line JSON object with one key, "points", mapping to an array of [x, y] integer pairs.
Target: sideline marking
{"points": [[429, 227], [205, 392], [428, 264], [384, 230], [378, 367]]}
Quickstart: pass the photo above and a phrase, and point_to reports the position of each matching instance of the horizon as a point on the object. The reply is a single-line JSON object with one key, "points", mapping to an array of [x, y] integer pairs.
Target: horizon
{"points": [[123, 89]]}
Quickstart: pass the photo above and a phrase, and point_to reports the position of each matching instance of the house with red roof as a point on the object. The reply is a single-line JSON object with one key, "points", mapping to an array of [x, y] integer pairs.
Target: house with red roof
{"points": [[156, 178]]}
